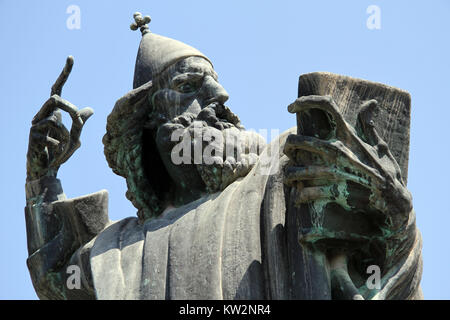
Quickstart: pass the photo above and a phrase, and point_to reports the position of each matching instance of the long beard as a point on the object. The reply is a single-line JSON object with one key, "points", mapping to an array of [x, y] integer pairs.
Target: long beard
{"points": [[235, 150]]}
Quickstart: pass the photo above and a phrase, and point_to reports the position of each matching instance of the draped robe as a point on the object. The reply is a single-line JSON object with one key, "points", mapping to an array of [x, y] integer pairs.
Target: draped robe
{"points": [[241, 243]]}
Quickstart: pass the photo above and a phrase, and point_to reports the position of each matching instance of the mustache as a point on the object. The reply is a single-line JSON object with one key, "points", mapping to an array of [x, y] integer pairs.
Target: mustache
{"points": [[224, 114], [214, 115]]}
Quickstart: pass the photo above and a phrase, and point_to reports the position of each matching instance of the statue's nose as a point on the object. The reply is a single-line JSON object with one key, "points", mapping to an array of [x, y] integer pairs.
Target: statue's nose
{"points": [[214, 92]]}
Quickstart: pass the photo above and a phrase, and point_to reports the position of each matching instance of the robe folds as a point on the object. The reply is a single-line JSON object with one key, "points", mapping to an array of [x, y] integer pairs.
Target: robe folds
{"points": [[241, 243]]}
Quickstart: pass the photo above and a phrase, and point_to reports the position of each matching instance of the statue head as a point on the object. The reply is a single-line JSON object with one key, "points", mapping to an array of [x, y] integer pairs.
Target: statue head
{"points": [[175, 88]]}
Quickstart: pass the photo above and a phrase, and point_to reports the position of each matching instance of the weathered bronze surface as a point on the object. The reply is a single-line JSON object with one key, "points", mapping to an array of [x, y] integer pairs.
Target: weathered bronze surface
{"points": [[304, 217]]}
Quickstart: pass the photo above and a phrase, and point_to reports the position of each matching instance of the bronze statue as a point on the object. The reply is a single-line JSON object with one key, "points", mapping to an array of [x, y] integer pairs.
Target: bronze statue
{"points": [[304, 217]]}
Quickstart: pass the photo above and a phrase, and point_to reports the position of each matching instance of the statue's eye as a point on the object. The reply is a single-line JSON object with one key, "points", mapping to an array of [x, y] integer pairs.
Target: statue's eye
{"points": [[188, 87]]}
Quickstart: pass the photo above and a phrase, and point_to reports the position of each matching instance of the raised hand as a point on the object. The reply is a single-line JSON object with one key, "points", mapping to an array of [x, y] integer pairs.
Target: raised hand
{"points": [[50, 143]]}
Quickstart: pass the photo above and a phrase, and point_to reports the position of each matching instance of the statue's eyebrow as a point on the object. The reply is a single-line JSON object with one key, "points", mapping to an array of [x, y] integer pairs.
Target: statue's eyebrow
{"points": [[192, 76], [187, 76]]}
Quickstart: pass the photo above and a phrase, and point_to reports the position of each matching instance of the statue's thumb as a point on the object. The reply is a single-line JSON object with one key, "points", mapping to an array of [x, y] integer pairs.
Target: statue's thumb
{"points": [[85, 114], [366, 122]]}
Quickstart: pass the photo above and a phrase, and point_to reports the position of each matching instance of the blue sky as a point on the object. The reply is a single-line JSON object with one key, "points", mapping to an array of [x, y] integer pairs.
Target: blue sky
{"points": [[259, 49]]}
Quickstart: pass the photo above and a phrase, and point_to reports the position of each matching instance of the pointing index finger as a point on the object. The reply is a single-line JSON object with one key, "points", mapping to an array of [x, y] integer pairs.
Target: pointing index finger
{"points": [[59, 83], [50, 106]]}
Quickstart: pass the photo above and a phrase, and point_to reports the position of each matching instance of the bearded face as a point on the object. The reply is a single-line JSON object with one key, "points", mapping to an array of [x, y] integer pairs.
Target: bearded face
{"points": [[192, 122]]}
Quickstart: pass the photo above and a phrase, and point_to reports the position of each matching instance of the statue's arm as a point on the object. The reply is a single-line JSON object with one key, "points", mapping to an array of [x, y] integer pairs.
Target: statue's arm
{"points": [[60, 234], [49, 237], [56, 226]]}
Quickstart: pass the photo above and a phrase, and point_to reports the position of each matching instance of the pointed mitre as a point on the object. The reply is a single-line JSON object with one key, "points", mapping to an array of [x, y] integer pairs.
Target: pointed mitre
{"points": [[156, 53]]}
